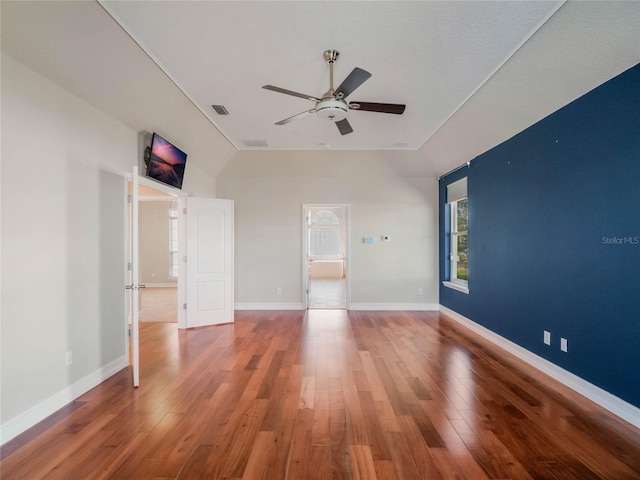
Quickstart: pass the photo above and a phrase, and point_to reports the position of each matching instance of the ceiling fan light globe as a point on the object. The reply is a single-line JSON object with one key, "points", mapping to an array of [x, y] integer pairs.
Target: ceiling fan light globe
{"points": [[331, 109]]}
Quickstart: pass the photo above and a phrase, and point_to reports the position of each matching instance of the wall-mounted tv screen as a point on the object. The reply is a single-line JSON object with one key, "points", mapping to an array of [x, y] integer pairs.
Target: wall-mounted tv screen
{"points": [[166, 162]]}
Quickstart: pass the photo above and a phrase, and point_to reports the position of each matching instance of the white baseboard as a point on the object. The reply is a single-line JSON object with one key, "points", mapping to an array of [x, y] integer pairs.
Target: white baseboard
{"points": [[421, 307], [269, 306], [162, 285], [615, 405], [17, 425]]}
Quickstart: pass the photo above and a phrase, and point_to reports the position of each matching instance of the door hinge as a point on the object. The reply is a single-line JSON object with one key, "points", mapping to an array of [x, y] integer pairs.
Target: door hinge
{"points": [[184, 210], [184, 306], [129, 266], [129, 198]]}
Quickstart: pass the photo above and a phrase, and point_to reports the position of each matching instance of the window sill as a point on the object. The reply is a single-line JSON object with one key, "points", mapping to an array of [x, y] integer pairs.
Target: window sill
{"points": [[456, 286]]}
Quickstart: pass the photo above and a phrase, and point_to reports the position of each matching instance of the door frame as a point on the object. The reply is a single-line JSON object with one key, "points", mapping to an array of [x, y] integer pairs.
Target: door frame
{"points": [[305, 247], [128, 227]]}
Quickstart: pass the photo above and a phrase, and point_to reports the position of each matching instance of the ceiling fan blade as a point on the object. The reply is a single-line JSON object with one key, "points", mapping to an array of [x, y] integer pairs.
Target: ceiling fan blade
{"points": [[356, 78], [396, 108], [344, 126], [295, 117], [290, 92]]}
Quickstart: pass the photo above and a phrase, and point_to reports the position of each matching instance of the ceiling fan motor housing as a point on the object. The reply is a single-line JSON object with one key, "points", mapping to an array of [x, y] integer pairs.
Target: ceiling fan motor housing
{"points": [[332, 109]]}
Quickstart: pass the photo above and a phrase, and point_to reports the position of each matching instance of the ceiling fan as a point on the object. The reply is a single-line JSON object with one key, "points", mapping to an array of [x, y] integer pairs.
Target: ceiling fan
{"points": [[332, 105]]}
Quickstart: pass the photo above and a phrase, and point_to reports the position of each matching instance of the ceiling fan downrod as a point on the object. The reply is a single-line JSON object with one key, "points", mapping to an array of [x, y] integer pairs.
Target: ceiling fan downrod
{"points": [[330, 56], [331, 106]]}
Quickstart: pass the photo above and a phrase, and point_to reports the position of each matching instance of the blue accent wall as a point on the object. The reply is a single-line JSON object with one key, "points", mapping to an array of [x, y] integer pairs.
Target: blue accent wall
{"points": [[554, 237]]}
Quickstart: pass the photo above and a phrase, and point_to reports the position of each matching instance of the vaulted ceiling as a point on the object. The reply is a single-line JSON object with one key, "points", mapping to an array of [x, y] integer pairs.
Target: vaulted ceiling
{"points": [[472, 74]]}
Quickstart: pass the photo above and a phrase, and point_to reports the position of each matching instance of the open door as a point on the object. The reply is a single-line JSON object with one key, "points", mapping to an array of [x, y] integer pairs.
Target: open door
{"points": [[209, 252], [133, 286]]}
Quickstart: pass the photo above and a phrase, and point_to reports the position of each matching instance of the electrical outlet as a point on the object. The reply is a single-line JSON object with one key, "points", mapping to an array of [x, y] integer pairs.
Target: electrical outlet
{"points": [[68, 358], [564, 345], [278, 291], [420, 291], [547, 338]]}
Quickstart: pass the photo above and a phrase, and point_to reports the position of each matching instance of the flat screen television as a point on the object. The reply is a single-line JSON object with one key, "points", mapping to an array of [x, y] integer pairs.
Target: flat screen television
{"points": [[166, 162]]}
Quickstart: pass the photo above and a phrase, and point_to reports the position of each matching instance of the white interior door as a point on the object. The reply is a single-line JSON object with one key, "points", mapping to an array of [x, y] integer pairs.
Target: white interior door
{"points": [[134, 286], [209, 252]]}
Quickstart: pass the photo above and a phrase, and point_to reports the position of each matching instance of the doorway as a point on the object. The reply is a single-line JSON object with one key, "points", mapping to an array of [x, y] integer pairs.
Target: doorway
{"points": [[326, 257], [202, 253], [158, 255], [134, 186]]}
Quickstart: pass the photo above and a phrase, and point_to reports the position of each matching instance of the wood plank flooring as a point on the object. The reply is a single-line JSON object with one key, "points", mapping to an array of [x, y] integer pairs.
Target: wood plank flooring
{"points": [[326, 394]]}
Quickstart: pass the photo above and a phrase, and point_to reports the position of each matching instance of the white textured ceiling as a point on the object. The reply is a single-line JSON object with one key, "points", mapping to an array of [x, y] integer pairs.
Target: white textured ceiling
{"points": [[430, 56], [472, 74]]}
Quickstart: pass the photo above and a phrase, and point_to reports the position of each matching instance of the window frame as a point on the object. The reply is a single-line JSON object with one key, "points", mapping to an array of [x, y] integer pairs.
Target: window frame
{"points": [[454, 197], [325, 230]]}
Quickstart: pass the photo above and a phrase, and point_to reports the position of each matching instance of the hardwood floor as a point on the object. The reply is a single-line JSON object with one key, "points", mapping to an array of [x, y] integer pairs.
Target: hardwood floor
{"points": [[326, 395]]}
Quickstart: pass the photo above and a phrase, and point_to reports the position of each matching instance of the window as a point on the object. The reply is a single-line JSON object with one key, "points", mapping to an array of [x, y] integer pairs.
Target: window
{"points": [[458, 230], [173, 242], [459, 241], [324, 234]]}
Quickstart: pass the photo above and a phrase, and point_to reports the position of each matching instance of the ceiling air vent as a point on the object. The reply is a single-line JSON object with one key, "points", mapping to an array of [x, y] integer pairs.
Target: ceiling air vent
{"points": [[255, 143], [220, 109]]}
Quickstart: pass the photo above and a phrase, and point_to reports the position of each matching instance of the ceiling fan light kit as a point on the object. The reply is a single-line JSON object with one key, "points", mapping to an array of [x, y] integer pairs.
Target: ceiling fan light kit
{"points": [[332, 109], [332, 105]]}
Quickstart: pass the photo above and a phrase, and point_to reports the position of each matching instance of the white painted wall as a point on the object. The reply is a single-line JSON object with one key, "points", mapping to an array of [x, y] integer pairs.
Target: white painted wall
{"points": [[62, 240], [154, 225], [62, 213], [383, 201]]}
